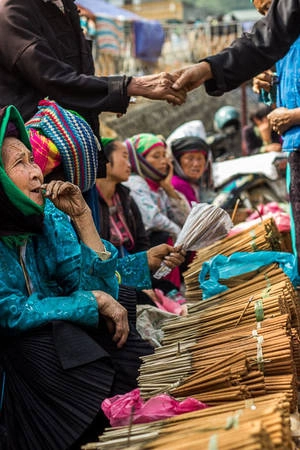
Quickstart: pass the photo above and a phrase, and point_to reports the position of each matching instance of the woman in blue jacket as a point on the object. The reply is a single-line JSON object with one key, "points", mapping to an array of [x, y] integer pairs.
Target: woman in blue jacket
{"points": [[66, 343]]}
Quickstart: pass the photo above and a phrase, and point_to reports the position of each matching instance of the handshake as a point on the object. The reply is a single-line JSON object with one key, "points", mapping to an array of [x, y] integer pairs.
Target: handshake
{"points": [[172, 87]]}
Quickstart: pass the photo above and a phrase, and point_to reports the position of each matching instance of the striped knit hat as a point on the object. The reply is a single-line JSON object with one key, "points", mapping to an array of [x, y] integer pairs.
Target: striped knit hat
{"points": [[138, 147], [69, 134]]}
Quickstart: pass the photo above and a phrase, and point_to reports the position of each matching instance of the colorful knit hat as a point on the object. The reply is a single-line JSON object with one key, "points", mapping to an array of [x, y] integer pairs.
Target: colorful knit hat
{"points": [[68, 134], [138, 147]]}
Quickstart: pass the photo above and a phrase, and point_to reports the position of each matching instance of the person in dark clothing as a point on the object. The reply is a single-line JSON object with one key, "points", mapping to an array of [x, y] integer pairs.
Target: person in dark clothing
{"points": [[249, 55], [44, 53]]}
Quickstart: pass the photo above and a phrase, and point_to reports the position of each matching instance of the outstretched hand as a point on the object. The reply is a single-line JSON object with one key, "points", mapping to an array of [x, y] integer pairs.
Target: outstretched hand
{"points": [[171, 256], [66, 196], [191, 77], [157, 87]]}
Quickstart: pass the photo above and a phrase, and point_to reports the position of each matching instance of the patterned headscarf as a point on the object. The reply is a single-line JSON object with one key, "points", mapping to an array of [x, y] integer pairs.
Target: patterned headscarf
{"points": [[20, 216], [138, 147], [59, 135]]}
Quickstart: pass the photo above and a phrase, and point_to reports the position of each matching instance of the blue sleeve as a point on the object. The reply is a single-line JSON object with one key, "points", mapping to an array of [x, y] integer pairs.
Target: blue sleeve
{"points": [[134, 271]]}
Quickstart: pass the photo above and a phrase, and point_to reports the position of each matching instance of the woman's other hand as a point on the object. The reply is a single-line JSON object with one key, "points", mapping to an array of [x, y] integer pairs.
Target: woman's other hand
{"points": [[115, 316], [281, 119], [263, 81], [171, 256]]}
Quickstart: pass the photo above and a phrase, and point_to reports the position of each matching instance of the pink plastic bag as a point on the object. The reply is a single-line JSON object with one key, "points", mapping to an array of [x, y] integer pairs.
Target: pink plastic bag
{"points": [[122, 409]]}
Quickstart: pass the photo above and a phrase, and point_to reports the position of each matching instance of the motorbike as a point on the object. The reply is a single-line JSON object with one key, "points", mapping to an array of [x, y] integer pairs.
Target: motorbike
{"points": [[251, 180]]}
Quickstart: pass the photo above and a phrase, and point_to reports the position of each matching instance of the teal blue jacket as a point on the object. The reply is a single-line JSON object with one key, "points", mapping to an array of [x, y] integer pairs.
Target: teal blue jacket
{"points": [[62, 273]]}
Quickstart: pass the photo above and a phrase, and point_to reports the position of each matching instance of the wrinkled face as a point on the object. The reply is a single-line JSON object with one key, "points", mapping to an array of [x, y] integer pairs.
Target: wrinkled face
{"points": [[158, 159], [262, 6], [22, 170], [193, 165]]}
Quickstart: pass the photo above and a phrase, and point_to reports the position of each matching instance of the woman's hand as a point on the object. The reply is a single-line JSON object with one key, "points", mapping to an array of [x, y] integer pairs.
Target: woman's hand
{"points": [[281, 119], [171, 256], [67, 197], [115, 316], [264, 81]]}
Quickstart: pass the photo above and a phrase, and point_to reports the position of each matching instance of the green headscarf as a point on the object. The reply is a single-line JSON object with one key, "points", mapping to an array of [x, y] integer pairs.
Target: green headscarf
{"points": [[20, 216]]}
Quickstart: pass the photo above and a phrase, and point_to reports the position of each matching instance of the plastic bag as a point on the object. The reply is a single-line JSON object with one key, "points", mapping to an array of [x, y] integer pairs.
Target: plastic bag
{"points": [[223, 267], [131, 408]]}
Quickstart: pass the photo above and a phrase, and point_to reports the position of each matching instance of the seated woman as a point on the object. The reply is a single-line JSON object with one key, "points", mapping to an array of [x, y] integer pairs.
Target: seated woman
{"points": [[163, 209], [190, 157], [66, 342], [120, 218]]}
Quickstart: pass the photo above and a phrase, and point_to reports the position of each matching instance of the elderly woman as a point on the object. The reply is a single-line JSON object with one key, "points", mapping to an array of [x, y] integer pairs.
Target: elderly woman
{"points": [[190, 157], [66, 342]]}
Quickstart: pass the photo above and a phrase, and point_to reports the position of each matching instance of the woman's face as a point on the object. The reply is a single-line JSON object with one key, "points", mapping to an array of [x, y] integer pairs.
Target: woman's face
{"points": [[119, 168], [158, 159], [193, 165], [22, 170]]}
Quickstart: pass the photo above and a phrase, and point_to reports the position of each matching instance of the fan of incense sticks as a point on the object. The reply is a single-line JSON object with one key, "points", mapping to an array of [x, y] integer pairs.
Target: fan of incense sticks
{"points": [[263, 236], [205, 224]]}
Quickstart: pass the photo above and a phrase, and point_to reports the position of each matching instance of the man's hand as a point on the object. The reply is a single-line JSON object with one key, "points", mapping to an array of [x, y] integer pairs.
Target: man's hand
{"points": [[115, 316], [67, 197], [191, 77], [156, 87], [171, 256]]}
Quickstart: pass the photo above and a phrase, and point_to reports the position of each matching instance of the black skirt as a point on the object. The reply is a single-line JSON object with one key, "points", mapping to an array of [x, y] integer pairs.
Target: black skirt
{"points": [[55, 380]]}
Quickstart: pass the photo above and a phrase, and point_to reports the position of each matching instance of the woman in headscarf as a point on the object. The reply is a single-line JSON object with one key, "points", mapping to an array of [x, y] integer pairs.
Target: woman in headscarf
{"points": [[163, 209], [190, 159], [66, 343]]}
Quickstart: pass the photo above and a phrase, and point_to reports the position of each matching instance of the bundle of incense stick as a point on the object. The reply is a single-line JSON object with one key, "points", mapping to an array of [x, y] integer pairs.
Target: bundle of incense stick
{"points": [[223, 425], [264, 236], [268, 294], [244, 356]]}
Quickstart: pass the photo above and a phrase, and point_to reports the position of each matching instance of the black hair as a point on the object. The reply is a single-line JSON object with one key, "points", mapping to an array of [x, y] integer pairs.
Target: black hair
{"points": [[109, 148]]}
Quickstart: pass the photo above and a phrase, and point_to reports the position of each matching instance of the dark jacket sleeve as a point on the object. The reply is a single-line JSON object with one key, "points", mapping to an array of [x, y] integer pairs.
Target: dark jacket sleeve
{"points": [[252, 53], [32, 49]]}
